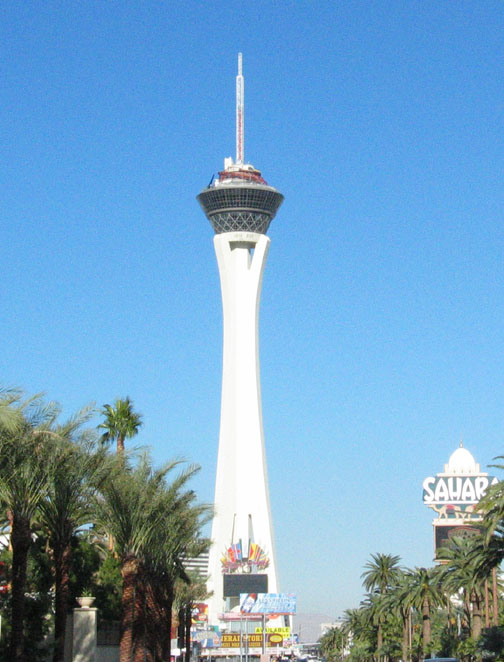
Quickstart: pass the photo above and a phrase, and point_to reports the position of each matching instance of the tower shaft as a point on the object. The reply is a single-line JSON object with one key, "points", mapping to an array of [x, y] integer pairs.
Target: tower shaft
{"points": [[242, 507]]}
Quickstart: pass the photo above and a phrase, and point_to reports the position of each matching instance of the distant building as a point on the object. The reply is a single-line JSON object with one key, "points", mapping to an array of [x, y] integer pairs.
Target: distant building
{"points": [[198, 564], [454, 494]]}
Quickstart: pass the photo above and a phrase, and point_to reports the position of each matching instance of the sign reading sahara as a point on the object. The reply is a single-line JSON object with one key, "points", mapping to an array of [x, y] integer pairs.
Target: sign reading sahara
{"points": [[456, 489], [267, 603]]}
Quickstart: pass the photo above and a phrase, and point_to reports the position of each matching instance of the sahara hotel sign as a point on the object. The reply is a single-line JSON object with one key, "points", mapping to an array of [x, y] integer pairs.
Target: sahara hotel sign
{"points": [[454, 496], [456, 490]]}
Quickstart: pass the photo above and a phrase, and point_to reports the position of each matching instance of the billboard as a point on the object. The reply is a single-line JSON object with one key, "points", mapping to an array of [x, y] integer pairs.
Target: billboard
{"points": [[235, 585], [233, 640], [443, 534], [267, 603], [199, 613]]}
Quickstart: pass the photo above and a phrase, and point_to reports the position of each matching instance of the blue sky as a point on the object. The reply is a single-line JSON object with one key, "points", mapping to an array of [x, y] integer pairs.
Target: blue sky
{"points": [[382, 321]]}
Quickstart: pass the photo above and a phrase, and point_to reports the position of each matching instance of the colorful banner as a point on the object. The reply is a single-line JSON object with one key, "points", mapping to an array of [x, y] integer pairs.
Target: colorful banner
{"points": [[267, 603], [235, 558]]}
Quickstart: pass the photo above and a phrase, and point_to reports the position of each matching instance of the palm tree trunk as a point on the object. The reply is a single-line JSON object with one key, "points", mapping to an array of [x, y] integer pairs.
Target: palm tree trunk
{"points": [[467, 611], [476, 615], [379, 641], [21, 541], [487, 606], [187, 625], [495, 597], [155, 617], [120, 444], [410, 630], [154, 622], [405, 634], [148, 631], [168, 597], [129, 572], [10, 519], [426, 625], [180, 630], [62, 563]]}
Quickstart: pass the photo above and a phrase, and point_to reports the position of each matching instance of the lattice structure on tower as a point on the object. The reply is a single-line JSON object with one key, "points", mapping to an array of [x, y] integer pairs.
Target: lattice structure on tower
{"points": [[236, 208]]}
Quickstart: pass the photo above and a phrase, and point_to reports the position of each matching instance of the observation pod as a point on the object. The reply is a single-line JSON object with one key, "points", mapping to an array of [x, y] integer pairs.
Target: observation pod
{"points": [[240, 201]]}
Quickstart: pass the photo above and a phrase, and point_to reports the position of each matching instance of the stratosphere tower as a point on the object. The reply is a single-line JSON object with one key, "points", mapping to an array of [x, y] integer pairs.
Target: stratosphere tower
{"points": [[240, 205]]}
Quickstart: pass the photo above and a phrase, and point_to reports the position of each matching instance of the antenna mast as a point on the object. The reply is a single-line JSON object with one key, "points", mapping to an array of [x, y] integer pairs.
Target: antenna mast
{"points": [[240, 93]]}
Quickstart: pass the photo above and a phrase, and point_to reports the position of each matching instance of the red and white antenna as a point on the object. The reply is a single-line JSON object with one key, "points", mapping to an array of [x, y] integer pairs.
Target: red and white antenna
{"points": [[240, 111]]}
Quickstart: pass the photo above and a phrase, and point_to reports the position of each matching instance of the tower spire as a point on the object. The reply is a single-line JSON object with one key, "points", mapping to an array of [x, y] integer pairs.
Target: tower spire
{"points": [[240, 111]]}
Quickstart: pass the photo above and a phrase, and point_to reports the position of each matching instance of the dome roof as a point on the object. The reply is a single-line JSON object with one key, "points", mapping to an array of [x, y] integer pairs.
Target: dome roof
{"points": [[462, 462]]}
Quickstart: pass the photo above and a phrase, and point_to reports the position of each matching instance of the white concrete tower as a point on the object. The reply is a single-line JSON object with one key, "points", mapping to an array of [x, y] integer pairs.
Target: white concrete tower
{"points": [[240, 206]]}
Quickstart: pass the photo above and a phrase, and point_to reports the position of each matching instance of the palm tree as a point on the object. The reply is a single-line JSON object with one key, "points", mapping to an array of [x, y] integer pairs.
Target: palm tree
{"points": [[492, 509], [353, 624], [166, 582], [138, 508], [491, 506], [379, 575], [488, 554], [397, 602], [10, 416], [332, 644], [77, 469], [374, 613], [381, 572], [492, 640], [425, 593], [360, 634], [190, 587], [128, 510], [24, 461], [464, 571], [121, 422]]}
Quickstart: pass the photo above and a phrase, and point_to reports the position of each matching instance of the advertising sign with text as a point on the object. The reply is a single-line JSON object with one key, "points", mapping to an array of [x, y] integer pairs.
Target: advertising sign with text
{"points": [[232, 640], [267, 603], [460, 490]]}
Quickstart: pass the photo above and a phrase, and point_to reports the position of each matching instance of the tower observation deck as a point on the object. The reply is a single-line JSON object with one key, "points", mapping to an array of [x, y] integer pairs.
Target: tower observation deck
{"points": [[240, 200]]}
